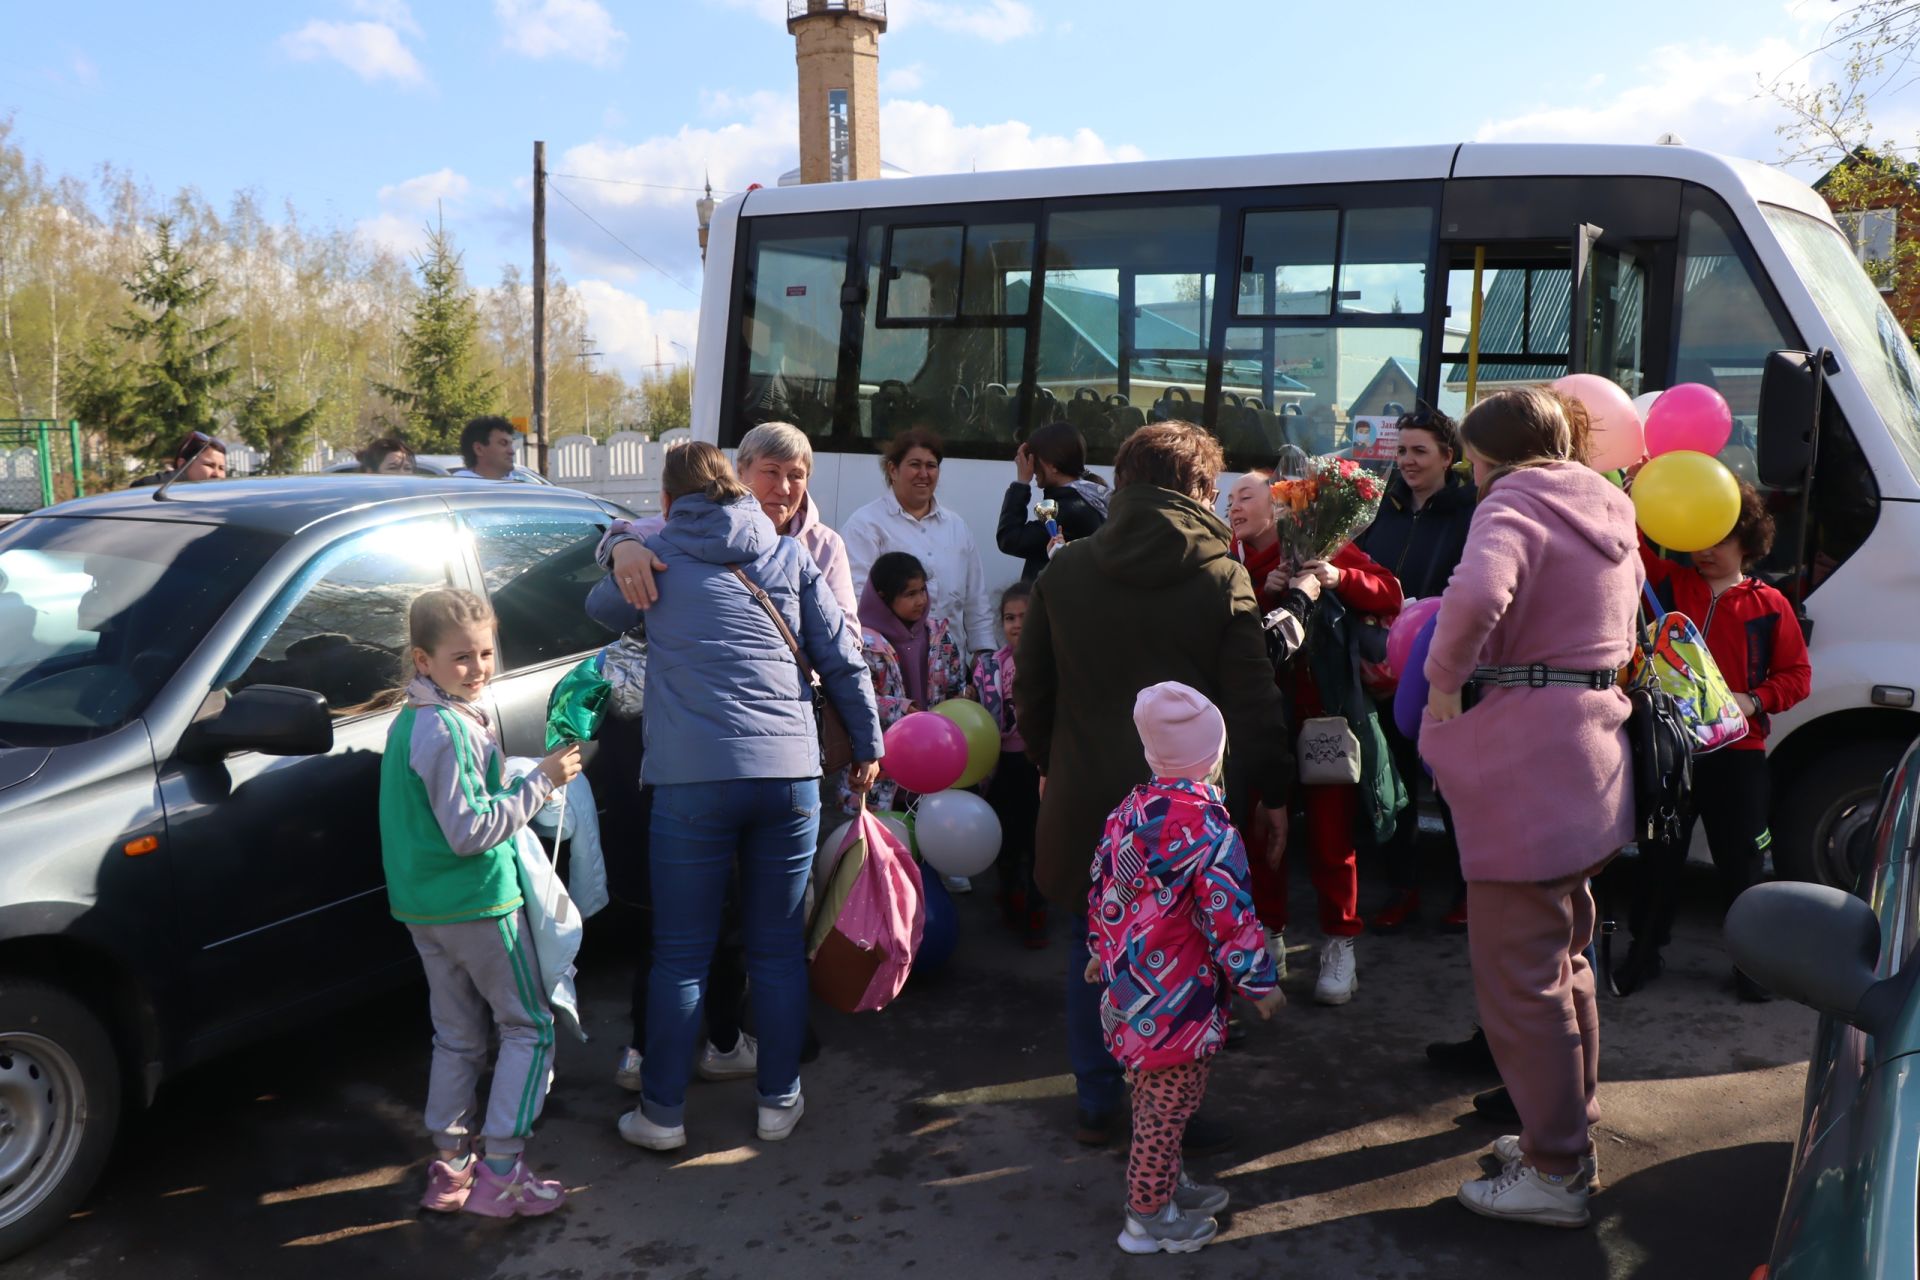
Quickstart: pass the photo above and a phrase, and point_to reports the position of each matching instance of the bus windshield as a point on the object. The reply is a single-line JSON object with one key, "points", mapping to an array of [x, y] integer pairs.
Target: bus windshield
{"points": [[1871, 341]]}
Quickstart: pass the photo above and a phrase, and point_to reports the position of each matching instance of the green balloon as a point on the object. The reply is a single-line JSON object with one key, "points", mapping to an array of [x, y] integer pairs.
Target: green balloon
{"points": [[983, 738]]}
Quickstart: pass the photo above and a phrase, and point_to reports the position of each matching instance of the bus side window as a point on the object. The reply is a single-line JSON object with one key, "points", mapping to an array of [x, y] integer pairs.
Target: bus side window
{"points": [[791, 332], [1729, 321]]}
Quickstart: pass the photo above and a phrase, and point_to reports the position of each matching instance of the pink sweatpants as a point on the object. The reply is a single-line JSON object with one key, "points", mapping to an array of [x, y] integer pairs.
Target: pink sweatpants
{"points": [[1536, 995]]}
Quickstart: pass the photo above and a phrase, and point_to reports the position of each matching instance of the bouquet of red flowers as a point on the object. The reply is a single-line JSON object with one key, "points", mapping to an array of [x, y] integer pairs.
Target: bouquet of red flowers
{"points": [[1326, 507]]}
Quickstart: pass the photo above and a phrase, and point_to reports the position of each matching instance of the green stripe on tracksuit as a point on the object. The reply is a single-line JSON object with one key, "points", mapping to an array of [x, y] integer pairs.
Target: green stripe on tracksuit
{"points": [[481, 974]]}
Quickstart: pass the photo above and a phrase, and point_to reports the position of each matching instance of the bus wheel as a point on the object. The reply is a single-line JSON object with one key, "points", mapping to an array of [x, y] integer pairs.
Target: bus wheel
{"points": [[1824, 813]]}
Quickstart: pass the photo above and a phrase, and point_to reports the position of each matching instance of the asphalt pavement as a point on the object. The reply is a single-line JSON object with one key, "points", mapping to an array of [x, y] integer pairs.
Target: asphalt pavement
{"points": [[937, 1142]]}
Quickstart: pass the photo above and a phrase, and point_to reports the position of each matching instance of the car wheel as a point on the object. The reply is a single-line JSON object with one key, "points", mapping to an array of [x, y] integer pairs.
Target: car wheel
{"points": [[59, 1108], [1824, 815]]}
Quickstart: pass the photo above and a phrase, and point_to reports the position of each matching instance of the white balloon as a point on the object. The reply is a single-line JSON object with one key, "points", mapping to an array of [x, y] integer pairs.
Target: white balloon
{"points": [[1643, 402], [831, 848], [959, 833]]}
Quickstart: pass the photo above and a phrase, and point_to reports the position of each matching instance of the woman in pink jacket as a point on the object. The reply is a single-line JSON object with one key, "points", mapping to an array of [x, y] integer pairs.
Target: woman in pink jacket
{"points": [[1538, 617]]}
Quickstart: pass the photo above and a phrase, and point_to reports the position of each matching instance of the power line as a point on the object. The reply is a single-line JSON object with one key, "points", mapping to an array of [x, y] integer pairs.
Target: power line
{"points": [[628, 182], [617, 240]]}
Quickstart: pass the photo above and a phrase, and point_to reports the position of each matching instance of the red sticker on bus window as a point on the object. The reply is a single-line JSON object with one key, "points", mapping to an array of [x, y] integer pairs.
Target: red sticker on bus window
{"points": [[796, 291]]}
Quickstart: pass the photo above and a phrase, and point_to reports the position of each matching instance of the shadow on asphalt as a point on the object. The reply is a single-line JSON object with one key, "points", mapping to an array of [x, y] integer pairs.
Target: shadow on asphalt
{"points": [[303, 1155]]}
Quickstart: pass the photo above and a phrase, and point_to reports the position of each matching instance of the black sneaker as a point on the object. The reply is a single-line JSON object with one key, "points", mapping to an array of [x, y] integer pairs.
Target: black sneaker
{"points": [[1642, 965], [1471, 1056], [1496, 1105], [1206, 1137], [1095, 1128]]}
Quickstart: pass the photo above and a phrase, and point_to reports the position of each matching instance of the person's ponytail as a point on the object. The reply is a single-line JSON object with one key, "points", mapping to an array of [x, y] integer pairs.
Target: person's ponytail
{"points": [[698, 467]]}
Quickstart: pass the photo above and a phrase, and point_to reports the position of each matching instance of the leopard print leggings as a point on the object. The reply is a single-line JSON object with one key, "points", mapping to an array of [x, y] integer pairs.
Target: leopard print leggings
{"points": [[1163, 1102]]}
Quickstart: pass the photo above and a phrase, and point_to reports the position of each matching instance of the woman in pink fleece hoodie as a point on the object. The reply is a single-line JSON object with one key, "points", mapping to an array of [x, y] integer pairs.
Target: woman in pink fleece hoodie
{"points": [[1538, 775]]}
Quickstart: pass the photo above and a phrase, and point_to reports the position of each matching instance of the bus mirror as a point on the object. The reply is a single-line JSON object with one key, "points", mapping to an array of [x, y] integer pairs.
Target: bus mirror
{"points": [[1789, 394]]}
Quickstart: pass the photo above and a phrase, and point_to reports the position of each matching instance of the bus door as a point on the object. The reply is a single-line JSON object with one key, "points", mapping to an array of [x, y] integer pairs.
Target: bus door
{"points": [[1547, 309]]}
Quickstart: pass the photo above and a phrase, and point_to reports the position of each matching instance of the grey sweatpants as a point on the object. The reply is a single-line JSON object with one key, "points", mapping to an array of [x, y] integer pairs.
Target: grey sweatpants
{"points": [[482, 974]]}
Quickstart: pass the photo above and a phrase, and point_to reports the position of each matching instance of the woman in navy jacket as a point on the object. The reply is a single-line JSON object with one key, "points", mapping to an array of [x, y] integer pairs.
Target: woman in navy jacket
{"points": [[1418, 537], [733, 757]]}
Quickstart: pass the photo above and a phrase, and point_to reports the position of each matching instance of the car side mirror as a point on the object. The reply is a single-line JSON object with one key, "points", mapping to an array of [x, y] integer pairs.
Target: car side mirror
{"points": [[1815, 945], [1789, 405], [272, 719]]}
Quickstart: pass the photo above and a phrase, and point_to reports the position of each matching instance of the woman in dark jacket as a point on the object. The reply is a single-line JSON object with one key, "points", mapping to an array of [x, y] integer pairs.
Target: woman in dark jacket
{"points": [[1056, 456], [1418, 537]]}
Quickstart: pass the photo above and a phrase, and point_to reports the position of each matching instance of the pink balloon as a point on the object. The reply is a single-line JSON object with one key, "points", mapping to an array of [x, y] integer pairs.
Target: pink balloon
{"points": [[1405, 630], [926, 753], [1690, 416], [1616, 440]]}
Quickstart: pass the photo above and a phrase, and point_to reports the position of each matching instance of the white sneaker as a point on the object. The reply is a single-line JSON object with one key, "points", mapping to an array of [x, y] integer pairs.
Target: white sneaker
{"points": [[1521, 1193], [957, 884], [627, 1074], [1168, 1231], [775, 1123], [1339, 975], [737, 1063], [642, 1132], [1506, 1149], [1277, 948]]}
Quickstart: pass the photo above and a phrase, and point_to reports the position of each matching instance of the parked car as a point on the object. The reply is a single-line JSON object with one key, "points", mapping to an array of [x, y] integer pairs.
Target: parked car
{"points": [[440, 464], [1850, 1208], [191, 724]]}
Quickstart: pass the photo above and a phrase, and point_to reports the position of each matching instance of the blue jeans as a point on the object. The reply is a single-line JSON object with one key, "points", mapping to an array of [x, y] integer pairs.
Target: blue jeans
{"points": [[698, 829], [1098, 1078]]}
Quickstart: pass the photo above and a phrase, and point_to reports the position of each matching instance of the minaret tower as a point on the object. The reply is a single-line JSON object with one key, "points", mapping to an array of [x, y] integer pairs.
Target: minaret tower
{"points": [[837, 45]]}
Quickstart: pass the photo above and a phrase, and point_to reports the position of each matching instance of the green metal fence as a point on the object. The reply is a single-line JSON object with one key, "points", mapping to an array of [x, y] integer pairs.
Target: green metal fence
{"points": [[41, 463]]}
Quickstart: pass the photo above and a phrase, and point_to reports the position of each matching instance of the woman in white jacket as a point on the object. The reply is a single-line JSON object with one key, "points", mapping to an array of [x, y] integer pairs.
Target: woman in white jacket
{"points": [[909, 518]]}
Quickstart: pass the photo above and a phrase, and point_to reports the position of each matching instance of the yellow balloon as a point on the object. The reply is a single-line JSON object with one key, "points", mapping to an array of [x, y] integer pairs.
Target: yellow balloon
{"points": [[1686, 501], [983, 738]]}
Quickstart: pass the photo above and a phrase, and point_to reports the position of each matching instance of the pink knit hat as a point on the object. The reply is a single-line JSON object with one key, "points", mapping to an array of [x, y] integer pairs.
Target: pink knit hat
{"points": [[1182, 731]]}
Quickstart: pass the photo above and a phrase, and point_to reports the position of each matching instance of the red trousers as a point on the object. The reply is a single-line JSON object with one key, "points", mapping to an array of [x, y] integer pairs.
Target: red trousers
{"points": [[1331, 812]]}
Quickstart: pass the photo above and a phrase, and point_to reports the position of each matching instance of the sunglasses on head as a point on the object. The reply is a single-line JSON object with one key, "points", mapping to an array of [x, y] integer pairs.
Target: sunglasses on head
{"points": [[196, 443], [1423, 419]]}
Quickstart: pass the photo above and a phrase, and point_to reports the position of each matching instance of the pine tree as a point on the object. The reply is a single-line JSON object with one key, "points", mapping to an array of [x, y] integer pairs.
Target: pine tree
{"points": [[445, 385], [103, 399], [281, 429], [180, 368]]}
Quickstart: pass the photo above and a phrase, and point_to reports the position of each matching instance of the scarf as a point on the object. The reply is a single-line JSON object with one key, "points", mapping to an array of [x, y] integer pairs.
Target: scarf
{"points": [[910, 644]]}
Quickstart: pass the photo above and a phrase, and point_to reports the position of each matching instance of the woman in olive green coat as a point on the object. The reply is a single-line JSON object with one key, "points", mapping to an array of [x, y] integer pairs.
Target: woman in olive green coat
{"points": [[1154, 595]]}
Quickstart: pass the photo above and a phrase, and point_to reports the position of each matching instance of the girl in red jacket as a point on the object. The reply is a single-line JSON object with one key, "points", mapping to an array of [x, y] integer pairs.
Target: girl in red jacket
{"points": [[1755, 639]]}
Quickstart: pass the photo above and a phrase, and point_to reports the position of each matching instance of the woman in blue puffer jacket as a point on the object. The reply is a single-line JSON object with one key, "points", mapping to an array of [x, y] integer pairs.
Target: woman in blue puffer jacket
{"points": [[733, 756]]}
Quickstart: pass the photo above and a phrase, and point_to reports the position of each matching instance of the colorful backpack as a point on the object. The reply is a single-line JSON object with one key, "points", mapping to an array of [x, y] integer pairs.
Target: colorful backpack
{"points": [[868, 921], [1676, 658]]}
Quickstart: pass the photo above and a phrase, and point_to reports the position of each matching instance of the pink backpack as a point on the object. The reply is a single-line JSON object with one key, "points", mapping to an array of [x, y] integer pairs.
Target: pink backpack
{"points": [[868, 921]]}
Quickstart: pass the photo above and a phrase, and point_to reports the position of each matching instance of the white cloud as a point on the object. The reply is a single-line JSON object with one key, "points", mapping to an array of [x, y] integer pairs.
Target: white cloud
{"points": [[371, 50], [84, 70], [406, 209], [995, 20], [394, 13], [579, 29], [425, 191], [923, 138], [1707, 93], [631, 334], [908, 79]]}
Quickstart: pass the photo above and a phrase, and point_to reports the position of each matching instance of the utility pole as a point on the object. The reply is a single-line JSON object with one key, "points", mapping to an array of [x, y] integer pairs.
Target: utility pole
{"points": [[540, 305]]}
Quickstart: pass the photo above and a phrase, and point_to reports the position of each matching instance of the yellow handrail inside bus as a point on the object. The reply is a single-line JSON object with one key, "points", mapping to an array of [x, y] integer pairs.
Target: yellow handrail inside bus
{"points": [[1473, 327]]}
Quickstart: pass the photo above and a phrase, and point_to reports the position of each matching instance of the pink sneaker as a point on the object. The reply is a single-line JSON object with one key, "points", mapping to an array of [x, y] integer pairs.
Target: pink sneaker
{"points": [[447, 1187], [513, 1194]]}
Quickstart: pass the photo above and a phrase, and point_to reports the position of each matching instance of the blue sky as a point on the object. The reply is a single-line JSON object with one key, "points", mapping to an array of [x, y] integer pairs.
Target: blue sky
{"points": [[368, 113]]}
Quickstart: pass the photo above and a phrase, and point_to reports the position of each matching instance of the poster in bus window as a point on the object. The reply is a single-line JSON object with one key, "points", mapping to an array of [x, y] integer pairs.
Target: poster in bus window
{"points": [[1376, 439]]}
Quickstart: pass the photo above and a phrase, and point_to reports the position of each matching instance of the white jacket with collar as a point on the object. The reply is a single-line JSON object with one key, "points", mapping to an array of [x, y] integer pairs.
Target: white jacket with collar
{"points": [[956, 582]]}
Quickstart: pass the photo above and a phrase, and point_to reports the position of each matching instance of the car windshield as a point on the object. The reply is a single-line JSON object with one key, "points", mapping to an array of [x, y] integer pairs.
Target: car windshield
{"points": [[97, 614], [1871, 341]]}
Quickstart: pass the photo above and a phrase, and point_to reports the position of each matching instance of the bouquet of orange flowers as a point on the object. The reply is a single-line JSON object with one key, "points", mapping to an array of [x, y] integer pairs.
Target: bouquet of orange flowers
{"points": [[1326, 507]]}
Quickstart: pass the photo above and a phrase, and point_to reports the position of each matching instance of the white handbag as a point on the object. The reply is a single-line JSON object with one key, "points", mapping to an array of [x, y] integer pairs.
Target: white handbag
{"points": [[1329, 753]]}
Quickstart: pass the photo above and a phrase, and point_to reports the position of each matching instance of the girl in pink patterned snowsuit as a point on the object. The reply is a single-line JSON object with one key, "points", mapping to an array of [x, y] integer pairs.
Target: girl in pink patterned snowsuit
{"points": [[1172, 932]]}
